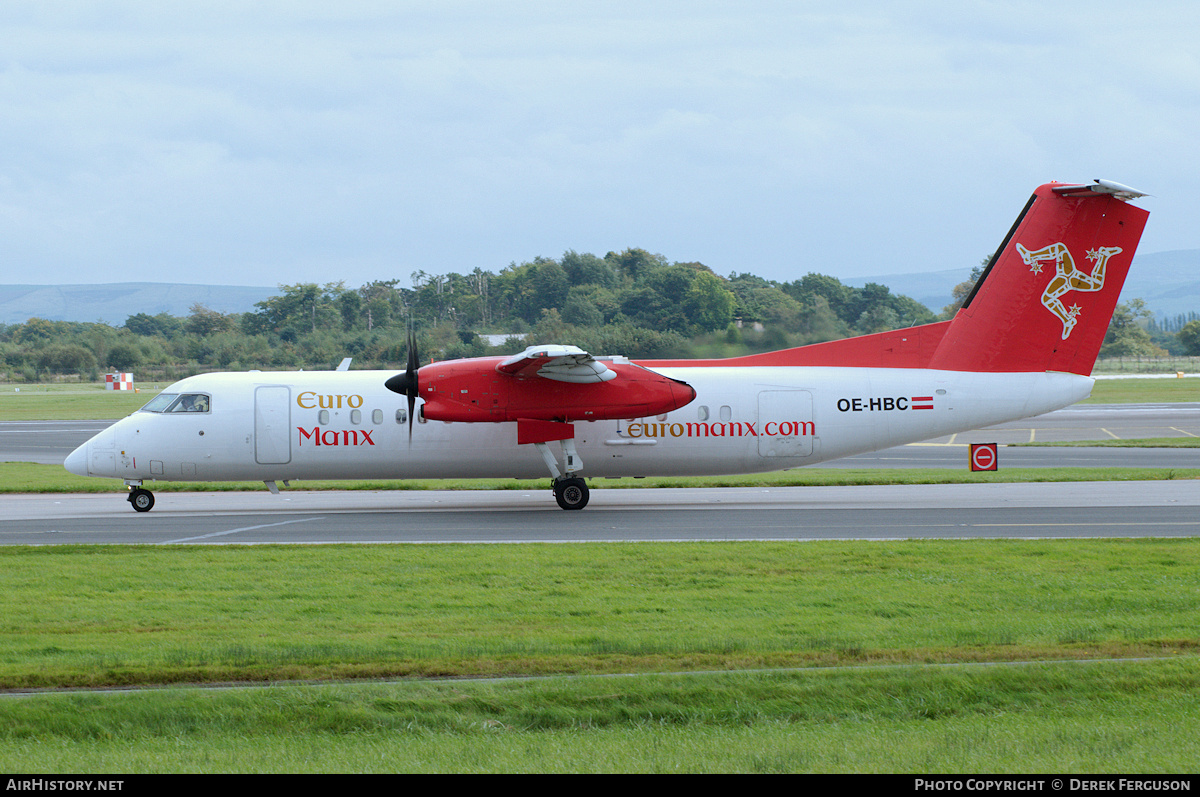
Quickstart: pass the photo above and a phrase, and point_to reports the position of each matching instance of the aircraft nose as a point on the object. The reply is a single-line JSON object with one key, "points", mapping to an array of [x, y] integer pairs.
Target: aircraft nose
{"points": [[77, 461]]}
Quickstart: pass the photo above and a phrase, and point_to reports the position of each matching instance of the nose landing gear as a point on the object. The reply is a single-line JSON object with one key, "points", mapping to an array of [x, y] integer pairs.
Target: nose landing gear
{"points": [[141, 499]]}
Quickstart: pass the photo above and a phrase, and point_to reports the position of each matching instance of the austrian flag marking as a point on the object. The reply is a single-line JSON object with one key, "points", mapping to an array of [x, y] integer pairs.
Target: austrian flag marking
{"points": [[885, 403]]}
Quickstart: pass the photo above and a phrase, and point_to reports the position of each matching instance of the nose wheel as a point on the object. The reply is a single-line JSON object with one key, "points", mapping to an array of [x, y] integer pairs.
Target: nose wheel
{"points": [[571, 493], [141, 499]]}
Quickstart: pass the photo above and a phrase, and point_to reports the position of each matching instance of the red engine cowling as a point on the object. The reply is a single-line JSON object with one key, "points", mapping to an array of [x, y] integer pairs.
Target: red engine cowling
{"points": [[474, 390]]}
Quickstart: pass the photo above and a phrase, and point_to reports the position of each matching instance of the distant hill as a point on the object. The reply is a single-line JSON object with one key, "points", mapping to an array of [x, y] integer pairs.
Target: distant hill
{"points": [[931, 288], [115, 302], [1169, 282]]}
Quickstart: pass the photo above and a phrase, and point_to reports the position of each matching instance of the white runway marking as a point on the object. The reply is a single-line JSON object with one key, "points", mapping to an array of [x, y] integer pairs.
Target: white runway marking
{"points": [[237, 531]]}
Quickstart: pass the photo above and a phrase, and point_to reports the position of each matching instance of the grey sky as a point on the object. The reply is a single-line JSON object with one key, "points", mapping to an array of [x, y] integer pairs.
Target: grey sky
{"points": [[281, 142]]}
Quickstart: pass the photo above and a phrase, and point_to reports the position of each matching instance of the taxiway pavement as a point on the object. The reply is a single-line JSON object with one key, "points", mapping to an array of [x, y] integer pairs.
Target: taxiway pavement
{"points": [[876, 512]]}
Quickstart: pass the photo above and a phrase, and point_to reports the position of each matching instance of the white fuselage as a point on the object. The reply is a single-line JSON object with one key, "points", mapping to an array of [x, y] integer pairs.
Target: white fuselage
{"points": [[279, 426]]}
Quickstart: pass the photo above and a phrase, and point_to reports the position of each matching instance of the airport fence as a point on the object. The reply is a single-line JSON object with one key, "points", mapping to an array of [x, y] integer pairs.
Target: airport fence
{"points": [[1147, 365]]}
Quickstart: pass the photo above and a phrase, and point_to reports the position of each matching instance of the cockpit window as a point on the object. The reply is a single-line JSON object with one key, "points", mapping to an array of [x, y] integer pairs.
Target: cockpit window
{"points": [[175, 402], [190, 402], [160, 402]]}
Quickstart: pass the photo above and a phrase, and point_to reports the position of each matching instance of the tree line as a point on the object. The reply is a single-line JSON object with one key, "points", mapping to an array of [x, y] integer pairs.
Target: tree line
{"points": [[631, 302]]}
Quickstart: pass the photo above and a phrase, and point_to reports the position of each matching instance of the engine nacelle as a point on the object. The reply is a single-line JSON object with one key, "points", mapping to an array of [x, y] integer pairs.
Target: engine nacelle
{"points": [[473, 390]]}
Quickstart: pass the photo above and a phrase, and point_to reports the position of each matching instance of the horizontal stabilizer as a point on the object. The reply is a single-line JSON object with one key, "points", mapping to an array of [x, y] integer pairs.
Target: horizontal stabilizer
{"points": [[1099, 187]]}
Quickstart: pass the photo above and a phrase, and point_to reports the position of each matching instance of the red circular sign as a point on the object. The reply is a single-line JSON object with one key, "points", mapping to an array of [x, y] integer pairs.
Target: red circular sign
{"points": [[983, 456]]}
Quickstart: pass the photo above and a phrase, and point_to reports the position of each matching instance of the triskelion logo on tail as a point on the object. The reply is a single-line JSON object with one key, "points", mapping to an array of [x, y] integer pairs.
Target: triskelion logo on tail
{"points": [[1067, 277]]}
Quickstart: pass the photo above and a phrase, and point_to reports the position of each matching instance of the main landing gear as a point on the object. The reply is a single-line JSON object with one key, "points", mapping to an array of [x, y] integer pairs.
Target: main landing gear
{"points": [[571, 492], [141, 499]]}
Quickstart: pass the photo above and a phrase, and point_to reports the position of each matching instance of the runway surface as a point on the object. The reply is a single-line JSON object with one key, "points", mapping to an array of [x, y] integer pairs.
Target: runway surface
{"points": [[45, 442], [885, 512]]}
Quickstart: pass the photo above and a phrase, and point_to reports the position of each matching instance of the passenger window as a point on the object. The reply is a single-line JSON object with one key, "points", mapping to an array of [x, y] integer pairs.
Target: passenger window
{"points": [[356, 417], [323, 417], [377, 416], [702, 412], [726, 412], [401, 416]]}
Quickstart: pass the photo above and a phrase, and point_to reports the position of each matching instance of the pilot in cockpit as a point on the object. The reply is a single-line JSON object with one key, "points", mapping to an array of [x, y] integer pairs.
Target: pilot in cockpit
{"points": [[192, 403]]}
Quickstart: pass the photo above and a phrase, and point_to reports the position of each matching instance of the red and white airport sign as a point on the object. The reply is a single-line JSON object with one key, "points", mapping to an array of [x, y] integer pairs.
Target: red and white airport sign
{"points": [[984, 457]]}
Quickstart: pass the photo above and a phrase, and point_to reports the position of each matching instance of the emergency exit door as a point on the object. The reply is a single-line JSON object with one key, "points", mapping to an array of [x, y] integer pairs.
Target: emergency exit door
{"points": [[273, 425], [785, 424]]}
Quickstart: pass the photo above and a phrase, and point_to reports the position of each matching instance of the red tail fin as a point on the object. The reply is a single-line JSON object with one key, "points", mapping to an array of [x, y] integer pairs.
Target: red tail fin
{"points": [[1046, 298]]}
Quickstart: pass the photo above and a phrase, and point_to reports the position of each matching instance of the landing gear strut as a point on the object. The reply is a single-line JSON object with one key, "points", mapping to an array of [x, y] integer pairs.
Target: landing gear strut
{"points": [[571, 493], [141, 499]]}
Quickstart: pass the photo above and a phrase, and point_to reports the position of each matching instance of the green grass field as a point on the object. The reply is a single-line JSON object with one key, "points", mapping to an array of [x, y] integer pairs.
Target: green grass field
{"points": [[866, 620], [1140, 442], [1105, 717], [1137, 391], [116, 615], [82, 402]]}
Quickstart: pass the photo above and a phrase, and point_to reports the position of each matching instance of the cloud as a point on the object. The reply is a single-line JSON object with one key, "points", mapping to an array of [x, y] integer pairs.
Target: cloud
{"points": [[282, 142]]}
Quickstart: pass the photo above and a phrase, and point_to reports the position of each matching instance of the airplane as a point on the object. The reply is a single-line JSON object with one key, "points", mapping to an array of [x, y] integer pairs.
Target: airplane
{"points": [[1023, 343]]}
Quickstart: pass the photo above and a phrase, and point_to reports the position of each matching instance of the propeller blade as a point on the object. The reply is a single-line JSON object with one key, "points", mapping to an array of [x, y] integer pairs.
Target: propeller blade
{"points": [[414, 364], [406, 383], [412, 403]]}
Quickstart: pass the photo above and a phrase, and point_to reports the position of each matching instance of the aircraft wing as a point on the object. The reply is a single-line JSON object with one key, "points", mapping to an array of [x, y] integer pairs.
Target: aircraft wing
{"points": [[557, 362]]}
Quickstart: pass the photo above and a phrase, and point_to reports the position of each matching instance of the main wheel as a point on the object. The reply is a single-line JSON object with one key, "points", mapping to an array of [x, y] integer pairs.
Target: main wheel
{"points": [[571, 493], [142, 500]]}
